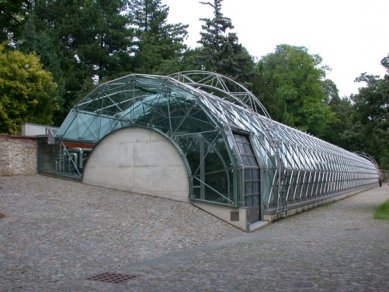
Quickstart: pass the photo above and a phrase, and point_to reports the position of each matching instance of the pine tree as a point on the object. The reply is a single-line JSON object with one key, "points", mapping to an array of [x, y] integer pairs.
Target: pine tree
{"points": [[159, 45], [221, 51], [80, 42]]}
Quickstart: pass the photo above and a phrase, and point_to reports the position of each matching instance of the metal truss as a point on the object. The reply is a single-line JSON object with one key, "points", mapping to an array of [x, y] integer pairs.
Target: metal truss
{"points": [[200, 112], [223, 87]]}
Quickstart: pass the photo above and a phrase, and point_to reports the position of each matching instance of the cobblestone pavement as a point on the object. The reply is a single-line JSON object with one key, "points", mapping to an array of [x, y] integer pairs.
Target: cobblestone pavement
{"points": [[57, 233]]}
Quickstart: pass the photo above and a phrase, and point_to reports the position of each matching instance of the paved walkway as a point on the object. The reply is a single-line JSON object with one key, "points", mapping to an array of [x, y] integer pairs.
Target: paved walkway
{"points": [[57, 233]]}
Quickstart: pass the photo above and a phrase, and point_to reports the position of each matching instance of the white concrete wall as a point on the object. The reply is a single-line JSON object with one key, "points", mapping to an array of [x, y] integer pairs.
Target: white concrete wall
{"points": [[141, 161], [30, 129]]}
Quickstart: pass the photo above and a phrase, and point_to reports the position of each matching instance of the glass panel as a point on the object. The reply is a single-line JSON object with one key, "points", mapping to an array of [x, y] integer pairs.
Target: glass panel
{"points": [[194, 120], [248, 174], [251, 176], [256, 188], [249, 188]]}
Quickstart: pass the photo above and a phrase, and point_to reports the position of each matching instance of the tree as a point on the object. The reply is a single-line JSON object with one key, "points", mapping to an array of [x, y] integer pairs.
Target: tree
{"points": [[185, 62], [80, 42], [27, 92], [342, 109], [160, 46], [290, 85], [221, 51], [371, 116], [104, 39], [87, 42], [12, 17], [39, 41], [339, 127]]}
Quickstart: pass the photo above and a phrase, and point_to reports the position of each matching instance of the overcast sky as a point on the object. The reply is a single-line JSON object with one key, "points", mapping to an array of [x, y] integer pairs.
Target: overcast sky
{"points": [[351, 36]]}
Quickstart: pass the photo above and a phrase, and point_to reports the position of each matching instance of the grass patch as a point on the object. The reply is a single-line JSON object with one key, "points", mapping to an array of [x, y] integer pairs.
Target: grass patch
{"points": [[382, 211]]}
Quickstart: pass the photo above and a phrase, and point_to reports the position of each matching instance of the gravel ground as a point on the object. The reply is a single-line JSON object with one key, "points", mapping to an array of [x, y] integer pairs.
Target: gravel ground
{"points": [[56, 233], [57, 229]]}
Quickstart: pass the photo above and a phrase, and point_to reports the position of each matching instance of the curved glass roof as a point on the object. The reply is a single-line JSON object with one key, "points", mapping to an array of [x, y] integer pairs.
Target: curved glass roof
{"points": [[207, 113], [222, 86]]}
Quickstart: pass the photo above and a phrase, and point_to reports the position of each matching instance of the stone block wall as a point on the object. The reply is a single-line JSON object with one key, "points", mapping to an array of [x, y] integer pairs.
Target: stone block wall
{"points": [[18, 155]]}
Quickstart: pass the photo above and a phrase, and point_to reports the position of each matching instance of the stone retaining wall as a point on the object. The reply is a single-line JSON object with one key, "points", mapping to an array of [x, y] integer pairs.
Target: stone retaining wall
{"points": [[18, 155]]}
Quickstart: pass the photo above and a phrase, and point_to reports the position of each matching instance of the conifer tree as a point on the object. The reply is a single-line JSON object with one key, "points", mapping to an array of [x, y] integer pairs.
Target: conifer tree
{"points": [[12, 17], [159, 45], [221, 51], [80, 42]]}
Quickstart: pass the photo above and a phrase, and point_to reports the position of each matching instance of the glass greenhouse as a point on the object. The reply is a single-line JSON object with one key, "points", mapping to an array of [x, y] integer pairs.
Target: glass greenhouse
{"points": [[234, 154]]}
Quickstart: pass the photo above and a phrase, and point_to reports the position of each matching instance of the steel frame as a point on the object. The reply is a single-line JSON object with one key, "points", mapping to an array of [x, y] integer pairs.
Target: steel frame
{"points": [[193, 106]]}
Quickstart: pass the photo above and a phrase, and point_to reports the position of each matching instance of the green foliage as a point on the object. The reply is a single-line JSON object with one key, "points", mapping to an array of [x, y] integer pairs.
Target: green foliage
{"points": [[83, 43], [12, 17], [342, 110], [382, 211], [184, 63], [221, 51], [41, 43], [371, 116], [79, 41], [290, 85], [104, 46], [159, 46], [341, 123], [27, 92]]}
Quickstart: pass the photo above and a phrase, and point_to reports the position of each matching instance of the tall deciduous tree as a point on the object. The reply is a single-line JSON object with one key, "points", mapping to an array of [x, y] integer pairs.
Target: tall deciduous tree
{"points": [[371, 116], [221, 51], [342, 110], [290, 84], [27, 92], [159, 45]]}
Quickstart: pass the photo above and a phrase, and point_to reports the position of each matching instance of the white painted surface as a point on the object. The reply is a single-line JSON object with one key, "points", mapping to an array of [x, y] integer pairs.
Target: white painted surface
{"points": [[30, 129], [140, 161]]}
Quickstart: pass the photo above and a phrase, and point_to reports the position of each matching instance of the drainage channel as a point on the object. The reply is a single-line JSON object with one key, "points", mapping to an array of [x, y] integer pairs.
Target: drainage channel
{"points": [[109, 277]]}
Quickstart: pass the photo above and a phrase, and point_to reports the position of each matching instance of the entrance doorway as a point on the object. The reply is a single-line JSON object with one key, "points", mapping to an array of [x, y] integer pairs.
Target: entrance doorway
{"points": [[251, 178]]}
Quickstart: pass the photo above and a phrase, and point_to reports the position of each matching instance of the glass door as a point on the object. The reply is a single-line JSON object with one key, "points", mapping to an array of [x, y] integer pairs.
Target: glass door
{"points": [[251, 178]]}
